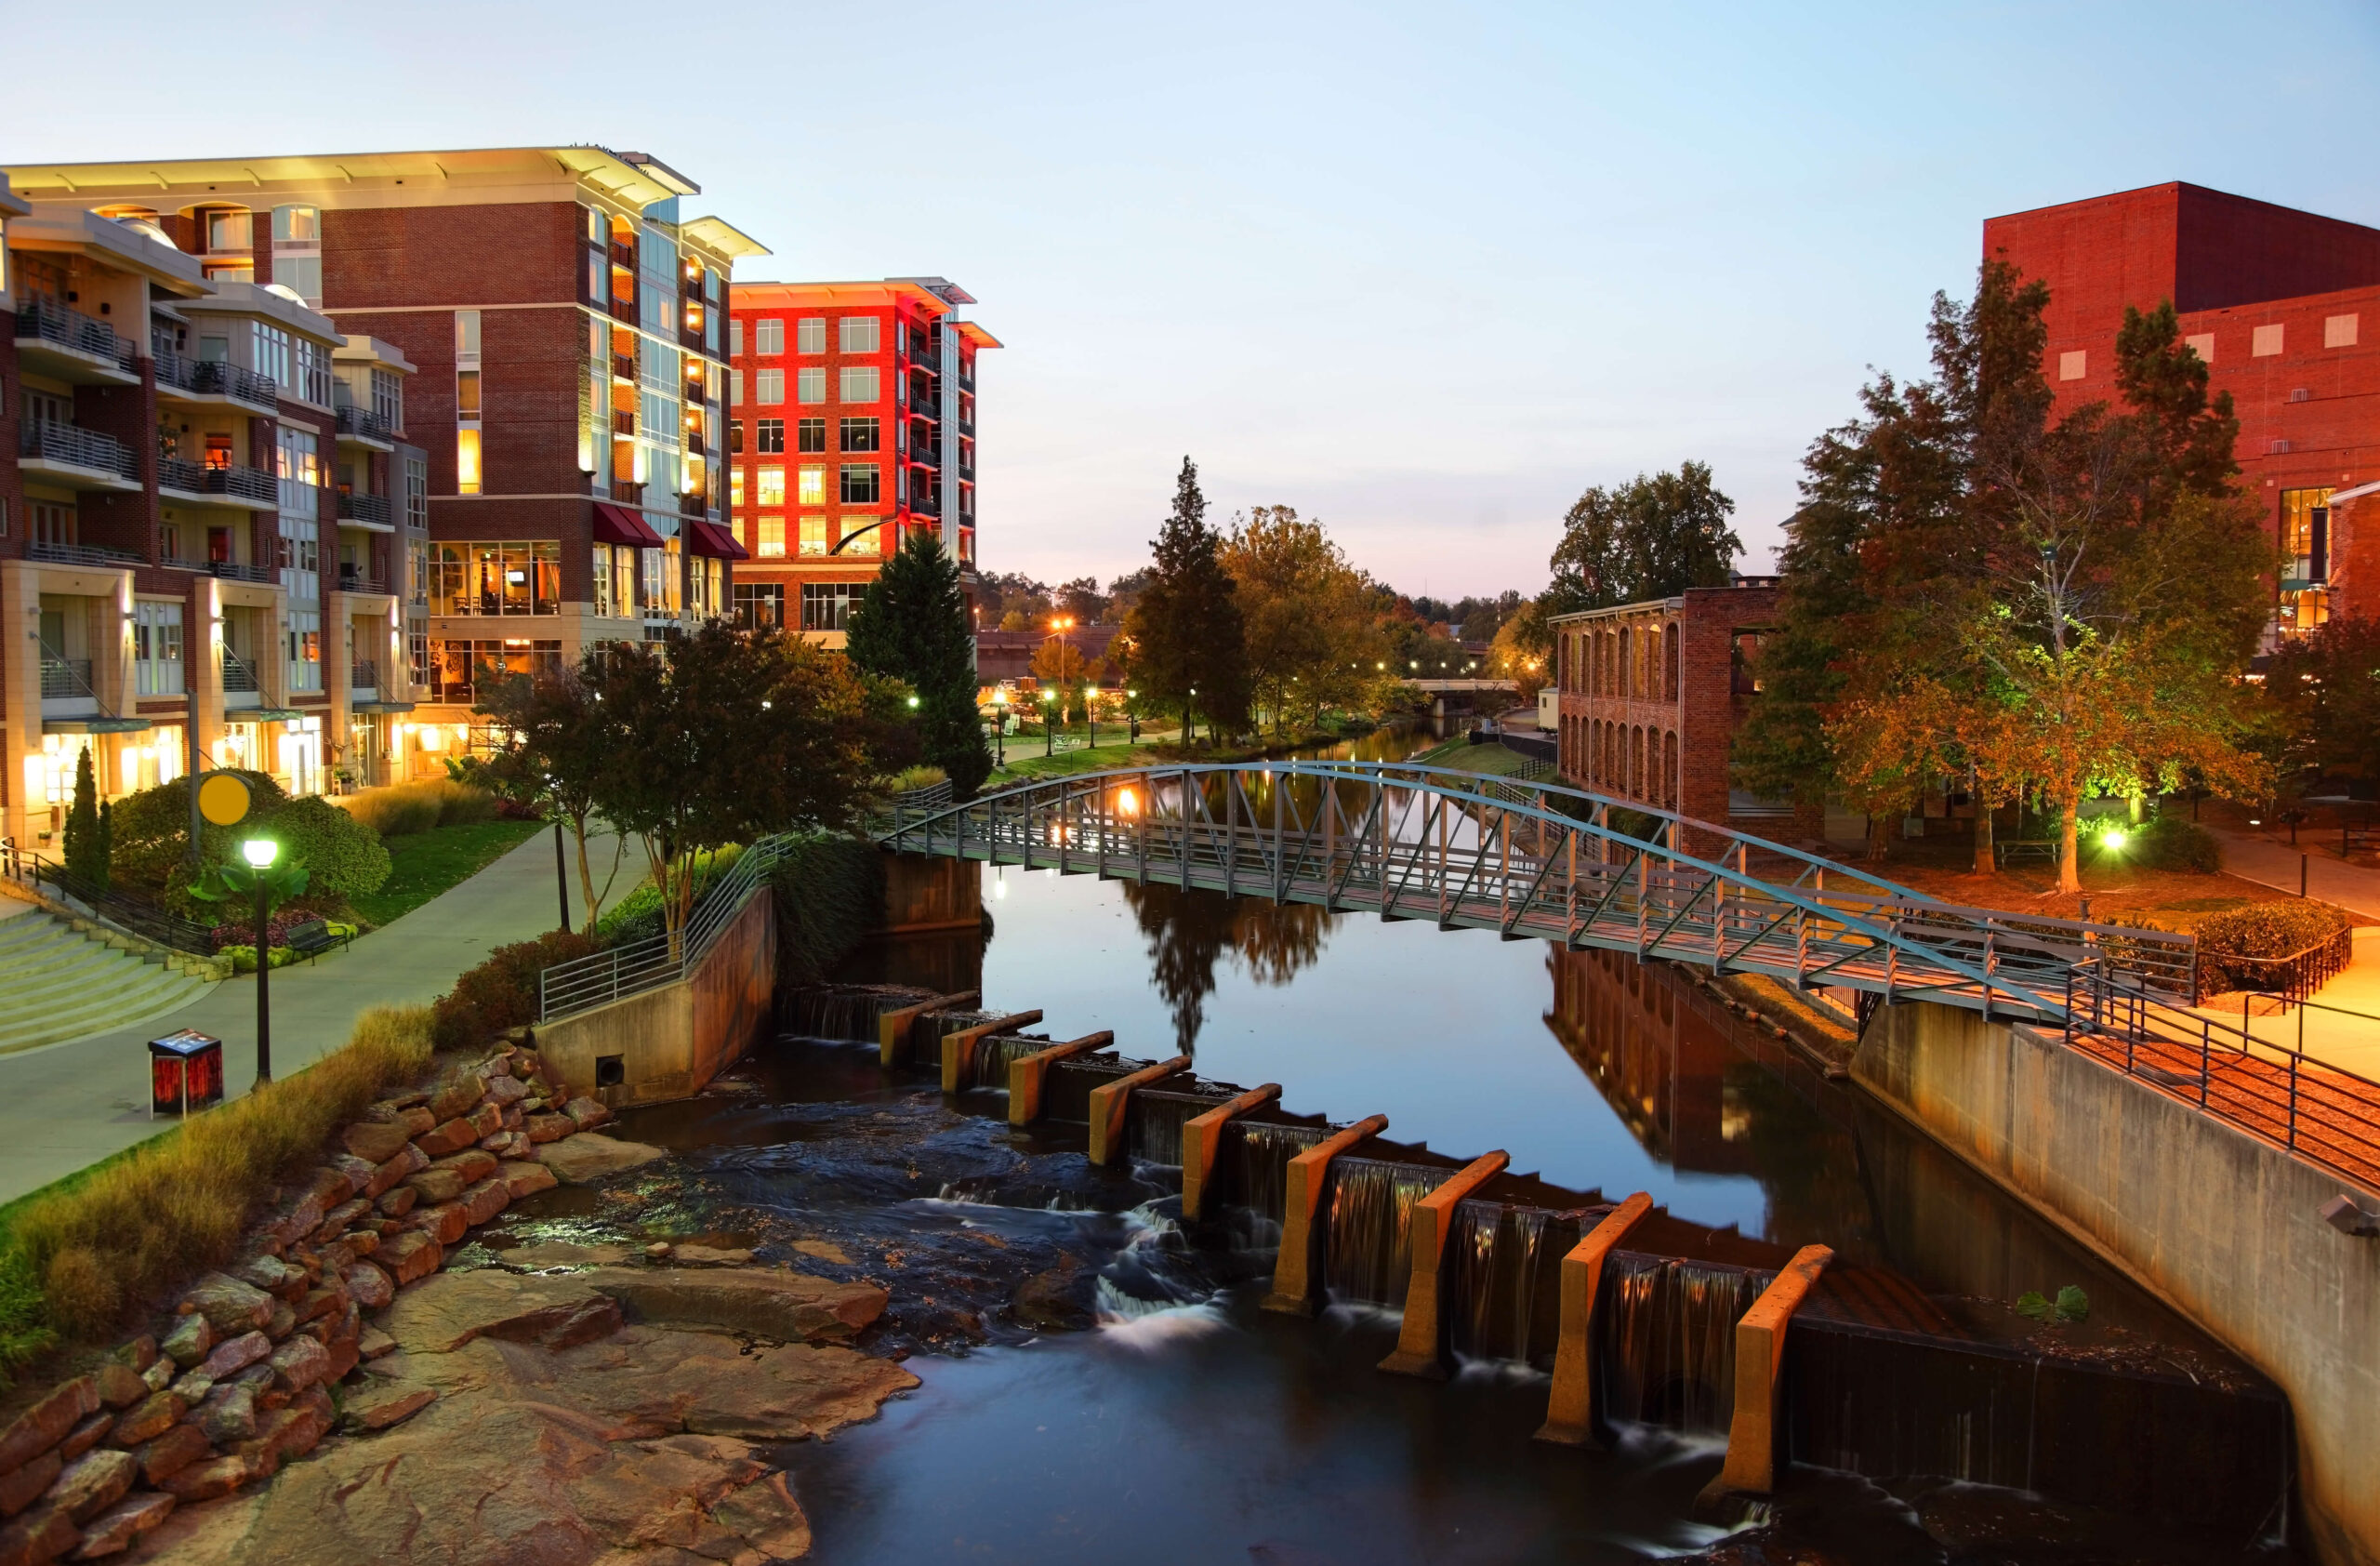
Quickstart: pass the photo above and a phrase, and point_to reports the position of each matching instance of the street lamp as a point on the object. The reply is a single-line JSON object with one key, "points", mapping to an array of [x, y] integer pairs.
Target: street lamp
{"points": [[1132, 713], [999, 724], [259, 852], [1048, 727]]}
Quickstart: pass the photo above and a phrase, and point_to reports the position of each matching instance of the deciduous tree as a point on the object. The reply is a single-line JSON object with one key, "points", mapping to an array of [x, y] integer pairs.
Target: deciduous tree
{"points": [[558, 741], [1651, 538], [1306, 610]]}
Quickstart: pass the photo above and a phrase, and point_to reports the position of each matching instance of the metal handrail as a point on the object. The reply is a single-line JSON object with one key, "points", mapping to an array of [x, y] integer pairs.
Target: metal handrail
{"points": [[634, 967], [83, 554], [123, 909], [2300, 973], [363, 422], [363, 676], [48, 321], [239, 675], [364, 508], [56, 441], [215, 378], [236, 571], [63, 679]]}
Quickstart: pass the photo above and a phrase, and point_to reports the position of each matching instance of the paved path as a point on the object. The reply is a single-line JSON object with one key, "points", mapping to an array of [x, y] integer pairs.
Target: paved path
{"points": [[65, 1105], [2270, 861]]}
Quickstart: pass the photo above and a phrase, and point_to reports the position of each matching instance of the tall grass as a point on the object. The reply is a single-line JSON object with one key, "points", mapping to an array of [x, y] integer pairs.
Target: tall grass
{"points": [[416, 807], [179, 1204]]}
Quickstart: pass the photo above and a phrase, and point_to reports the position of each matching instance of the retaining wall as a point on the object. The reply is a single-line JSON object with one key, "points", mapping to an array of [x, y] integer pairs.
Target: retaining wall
{"points": [[669, 1043], [2225, 1227]]}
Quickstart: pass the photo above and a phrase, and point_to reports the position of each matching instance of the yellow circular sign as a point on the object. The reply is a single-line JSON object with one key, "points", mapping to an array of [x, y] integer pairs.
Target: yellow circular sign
{"points": [[223, 799]]}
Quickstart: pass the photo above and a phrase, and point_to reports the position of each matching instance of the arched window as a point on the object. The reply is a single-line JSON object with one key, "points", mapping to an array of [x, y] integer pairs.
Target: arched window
{"points": [[1669, 661], [1669, 766]]}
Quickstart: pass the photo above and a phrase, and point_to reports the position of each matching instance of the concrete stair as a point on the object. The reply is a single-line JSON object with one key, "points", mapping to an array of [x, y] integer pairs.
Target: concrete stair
{"points": [[58, 982]]}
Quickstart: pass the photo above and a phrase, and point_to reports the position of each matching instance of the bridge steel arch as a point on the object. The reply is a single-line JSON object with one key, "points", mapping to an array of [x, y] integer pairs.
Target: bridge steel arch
{"points": [[1539, 860]]}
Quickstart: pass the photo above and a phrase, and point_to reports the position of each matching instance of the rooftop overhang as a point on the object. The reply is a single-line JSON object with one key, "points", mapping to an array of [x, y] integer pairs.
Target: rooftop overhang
{"points": [[371, 350], [257, 180], [12, 204], [976, 335], [798, 295], [260, 301], [722, 238], [113, 244]]}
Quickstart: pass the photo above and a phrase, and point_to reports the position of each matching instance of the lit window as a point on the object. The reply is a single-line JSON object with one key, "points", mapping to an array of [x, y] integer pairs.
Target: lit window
{"points": [[466, 461], [860, 540], [859, 334], [771, 488], [812, 385], [809, 335], [736, 486], [2266, 341], [228, 231], [768, 387], [813, 486], [771, 537], [862, 383], [2339, 331], [768, 337], [814, 534], [2073, 364]]}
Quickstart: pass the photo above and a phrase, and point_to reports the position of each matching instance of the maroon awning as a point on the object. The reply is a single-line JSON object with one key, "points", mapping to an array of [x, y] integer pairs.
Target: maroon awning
{"points": [[618, 525], [705, 537]]}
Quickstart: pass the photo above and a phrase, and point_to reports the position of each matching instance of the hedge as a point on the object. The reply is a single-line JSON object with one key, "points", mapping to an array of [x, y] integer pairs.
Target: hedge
{"points": [[2280, 929]]}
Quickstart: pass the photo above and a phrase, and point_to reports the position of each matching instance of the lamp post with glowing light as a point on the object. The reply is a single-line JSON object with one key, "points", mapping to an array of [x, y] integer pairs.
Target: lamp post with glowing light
{"points": [[1049, 725], [999, 724], [1132, 713], [259, 852]]}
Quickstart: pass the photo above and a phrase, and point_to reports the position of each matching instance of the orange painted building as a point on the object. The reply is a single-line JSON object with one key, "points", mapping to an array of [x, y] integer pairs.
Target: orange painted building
{"points": [[852, 423]]}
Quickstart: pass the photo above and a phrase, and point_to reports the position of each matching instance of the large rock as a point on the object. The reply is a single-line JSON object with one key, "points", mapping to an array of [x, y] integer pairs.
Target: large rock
{"points": [[408, 1160], [525, 1178], [458, 1095], [235, 1355], [229, 1305], [410, 1257], [190, 1341], [376, 1141], [340, 1218], [447, 1136], [172, 1451], [445, 1223], [383, 1404], [438, 1183], [150, 1418], [115, 1530], [218, 1476], [299, 1363], [764, 1303], [228, 1417], [20, 1487], [579, 1160], [46, 1423], [586, 1114], [546, 1127], [455, 1308], [399, 1202], [84, 1436], [93, 1484], [42, 1535], [485, 1200], [471, 1163], [369, 1286], [118, 1385]]}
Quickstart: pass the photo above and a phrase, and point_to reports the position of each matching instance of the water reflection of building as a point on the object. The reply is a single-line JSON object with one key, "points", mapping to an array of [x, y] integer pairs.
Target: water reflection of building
{"points": [[1657, 1061]]}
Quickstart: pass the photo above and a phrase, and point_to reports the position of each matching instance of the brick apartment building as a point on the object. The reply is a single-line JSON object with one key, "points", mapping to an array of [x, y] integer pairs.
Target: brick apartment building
{"points": [[298, 450], [2284, 306], [853, 423], [1650, 695]]}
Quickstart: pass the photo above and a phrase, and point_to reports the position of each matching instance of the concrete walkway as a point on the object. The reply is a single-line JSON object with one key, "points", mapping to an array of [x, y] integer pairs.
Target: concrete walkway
{"points": [[69, 1105], [2268, 860]]}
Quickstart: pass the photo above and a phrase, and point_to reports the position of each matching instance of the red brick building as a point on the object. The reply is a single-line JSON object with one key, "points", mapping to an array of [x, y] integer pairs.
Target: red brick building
{"points": [[852, 422], [2285, 308], [1651, 695]]}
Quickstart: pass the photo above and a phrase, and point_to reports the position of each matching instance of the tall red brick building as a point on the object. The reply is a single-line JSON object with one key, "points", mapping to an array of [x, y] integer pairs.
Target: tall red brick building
{"points": [[853, 423], [2284, 306]]}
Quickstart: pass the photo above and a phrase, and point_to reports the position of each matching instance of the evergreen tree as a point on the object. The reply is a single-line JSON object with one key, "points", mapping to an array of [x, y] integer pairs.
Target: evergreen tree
{"points": [[1189, 645], [911, 626], [86, 847]]}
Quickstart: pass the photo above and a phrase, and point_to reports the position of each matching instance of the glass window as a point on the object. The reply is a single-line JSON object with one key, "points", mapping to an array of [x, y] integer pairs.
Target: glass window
{"points": [[769, 386], [862, 536], [860, 484], [736, 486], [771, 433], [772, 485], [809, 336], [734, 337], [229, 231], [862, 383], [157, 648], [467, 335], [466, 461], [736, 388], [269, 350], [301, 275], [860, 434], [813, 387], [813, 434], [859, 334], [827, 605], [814, 534], [813, 486], [771, 539], [768, 337], [735, 437]]}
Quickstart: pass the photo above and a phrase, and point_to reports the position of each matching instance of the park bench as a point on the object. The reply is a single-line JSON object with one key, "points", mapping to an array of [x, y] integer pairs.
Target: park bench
{"points": [[312, 938], [2006, 849]]}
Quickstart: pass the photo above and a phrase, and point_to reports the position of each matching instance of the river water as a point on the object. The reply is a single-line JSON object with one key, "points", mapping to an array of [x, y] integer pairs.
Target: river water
{"points": [[1178, 1422]]}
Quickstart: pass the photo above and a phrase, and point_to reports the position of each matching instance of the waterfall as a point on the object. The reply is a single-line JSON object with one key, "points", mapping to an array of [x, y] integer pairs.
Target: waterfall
{"points": [[1667, 1354], [1369, 1259], [1500, 1277], [995, 1054], [842, 1011], [1153, 1127], [1264, 1150]]}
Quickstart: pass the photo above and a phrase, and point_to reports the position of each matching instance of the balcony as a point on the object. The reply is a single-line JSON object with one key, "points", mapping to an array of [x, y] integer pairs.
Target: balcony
{"points": [[371, 510], [624, 368], [927, 359], [364, 679], [364, 426], [65, 679], [74, 346], [211, 381], [82, 457], [240, 679], [929, 410], [249, 488], [234, 571], [83, 554], [353, 580], [624, 255]]}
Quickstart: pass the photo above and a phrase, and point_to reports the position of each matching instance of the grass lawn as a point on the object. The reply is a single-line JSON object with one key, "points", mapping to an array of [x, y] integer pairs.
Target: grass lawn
{"points": [[1490, 760], [421, 865]]}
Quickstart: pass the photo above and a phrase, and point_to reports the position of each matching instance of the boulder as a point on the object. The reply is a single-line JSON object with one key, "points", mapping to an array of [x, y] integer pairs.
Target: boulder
{"points": [[485, 1121], [369, 1286], [21, 1487], [378, 1407], [329, 1185], [192, 1340], [438, 1183], [328, 1300], [147, 1419], [299, 1363], [506, 1090], [361, 1243], [290, 1432], [43, 1534], [359, 1171], [582, 1159], [86, 1435], [373, 1343], [284, 1318], [455, 1308], [586, 1114], [140, 1354], [708, 1255], [92, 1483], [235, 1355], [205, 1481], [411, 1255], [229, 1305], [116, 1528], [335, 1222], [192, 1385], [118, 1385], [267, 1272], [228, 1416], [399, 1202], [444, 1223], [457, 1095], [471, 1163], [764, 1303], [160, 1375], [172, 1451], [46, 1423], [376, 1141], [524, 1179], [294, 1223], [548, 1128], [485, 1200], [409, 1160], [418, 1119], [447, 1136], [768, 1518]]}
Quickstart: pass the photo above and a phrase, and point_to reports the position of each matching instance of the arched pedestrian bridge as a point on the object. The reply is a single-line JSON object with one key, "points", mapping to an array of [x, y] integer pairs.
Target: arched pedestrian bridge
{"points": [[1539, 860]]}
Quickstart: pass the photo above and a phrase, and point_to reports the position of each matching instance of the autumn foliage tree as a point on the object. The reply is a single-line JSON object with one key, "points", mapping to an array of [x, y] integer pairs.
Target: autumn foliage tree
{"points": [[1305, 613]]}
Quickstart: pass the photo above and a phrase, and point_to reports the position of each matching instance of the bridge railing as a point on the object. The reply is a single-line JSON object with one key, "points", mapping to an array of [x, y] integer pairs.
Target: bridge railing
{"points": [[636, 966], [1412, 841]]}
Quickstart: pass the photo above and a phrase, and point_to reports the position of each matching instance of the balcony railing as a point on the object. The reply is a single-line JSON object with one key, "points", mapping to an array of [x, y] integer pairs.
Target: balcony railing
{"points": [[364, 508], [624, 366], [193, 478], [41, 320], [361, 676], [70, 444], [365, 425], [234, 571], [65, 677], [239, 675], [213, 379], [352, 580]]}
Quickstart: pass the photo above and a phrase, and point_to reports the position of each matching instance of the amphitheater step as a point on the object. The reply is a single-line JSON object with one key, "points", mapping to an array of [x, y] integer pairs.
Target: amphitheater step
{"points": [[58, 984]]}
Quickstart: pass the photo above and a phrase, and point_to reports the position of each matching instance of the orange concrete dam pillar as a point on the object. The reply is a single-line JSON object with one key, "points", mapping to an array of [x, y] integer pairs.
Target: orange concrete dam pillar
{"points": [[1202, 1140], [1755, 1430], [958, 1049], [1569, 1410], [1111, 1101], [1294, 1281], [1026, 1076], [892, 1027], [1421, 1341]]}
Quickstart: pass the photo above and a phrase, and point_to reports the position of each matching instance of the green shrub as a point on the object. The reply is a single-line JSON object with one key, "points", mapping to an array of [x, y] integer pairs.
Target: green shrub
{"points": [[502, 991], [830, 894], [150, 830], [637, 916], [343, 856], [918, 777], [393, 811], [2169, 842], [2267, 930]]}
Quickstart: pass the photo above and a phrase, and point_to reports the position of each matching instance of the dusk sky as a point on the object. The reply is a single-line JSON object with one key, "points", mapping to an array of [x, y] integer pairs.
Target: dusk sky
{"points": [[1423, 272]]}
